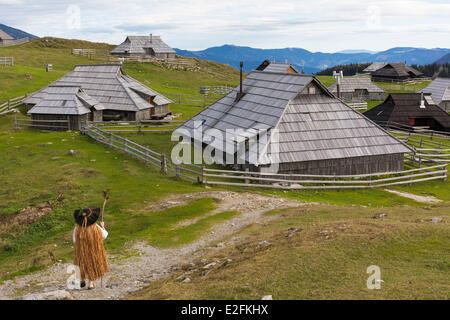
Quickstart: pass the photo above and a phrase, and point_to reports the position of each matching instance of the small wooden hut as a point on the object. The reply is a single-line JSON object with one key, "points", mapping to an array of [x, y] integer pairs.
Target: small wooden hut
{"points": [[374, 67], [123, 97], [410, 109], [440, 92], [358, 89], [304, 125], [271, 66], [145, 47], [5, 38]]}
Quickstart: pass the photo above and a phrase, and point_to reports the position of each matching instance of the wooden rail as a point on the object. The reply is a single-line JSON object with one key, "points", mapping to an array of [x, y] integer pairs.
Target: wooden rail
{"points": [[41, 124], [150, 157], [437, 171], [9, 105], [7, 61], [198, 101], [429, 149], [143, 126]]}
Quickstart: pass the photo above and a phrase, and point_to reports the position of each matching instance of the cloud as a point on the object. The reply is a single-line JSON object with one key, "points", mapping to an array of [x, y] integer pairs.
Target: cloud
{"points": [[323, 25]]}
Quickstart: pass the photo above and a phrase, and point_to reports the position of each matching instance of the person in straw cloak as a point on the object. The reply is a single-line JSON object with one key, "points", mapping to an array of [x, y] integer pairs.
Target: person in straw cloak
{"points": [[90, 254]]}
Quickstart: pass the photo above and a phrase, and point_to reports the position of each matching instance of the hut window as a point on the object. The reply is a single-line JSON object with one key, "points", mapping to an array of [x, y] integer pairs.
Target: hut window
{"points": [[312, 90]]}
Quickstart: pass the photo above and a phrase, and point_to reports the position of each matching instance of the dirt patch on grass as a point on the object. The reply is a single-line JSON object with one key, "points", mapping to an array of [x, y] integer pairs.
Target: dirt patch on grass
{"points": [[25, 216]]}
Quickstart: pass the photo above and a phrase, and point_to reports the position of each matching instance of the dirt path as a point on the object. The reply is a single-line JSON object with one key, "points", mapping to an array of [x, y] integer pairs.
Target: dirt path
{"points": [[149, 263], [425, 199]]}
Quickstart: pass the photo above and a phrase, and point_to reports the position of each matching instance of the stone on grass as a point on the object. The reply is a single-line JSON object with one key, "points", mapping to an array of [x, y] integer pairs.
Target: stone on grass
{"points": [[268, 297]]}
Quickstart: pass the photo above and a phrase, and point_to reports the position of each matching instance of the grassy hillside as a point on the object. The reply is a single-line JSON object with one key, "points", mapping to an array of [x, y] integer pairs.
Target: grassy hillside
{"points": [[326, 257]]}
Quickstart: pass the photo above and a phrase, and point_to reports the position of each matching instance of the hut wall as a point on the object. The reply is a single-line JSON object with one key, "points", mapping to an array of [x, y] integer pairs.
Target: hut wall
{"points": [[445, 105], [97, 115], [55, 126], [377, 96], [143, 115], [347, 166]]}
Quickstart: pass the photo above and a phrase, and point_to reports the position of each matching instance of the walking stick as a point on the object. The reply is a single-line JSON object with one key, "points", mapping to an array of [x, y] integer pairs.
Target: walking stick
{"points": [[106, 198]]}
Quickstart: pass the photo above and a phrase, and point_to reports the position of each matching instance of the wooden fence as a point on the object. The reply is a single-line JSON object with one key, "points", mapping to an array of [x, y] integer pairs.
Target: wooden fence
{"points": [[418, 169], [143, 126], [150, 157], [85, 52], [360, 106], [429, 150], [197, 101], [41, 124], [7, 61], [419, 172], [11, 104]]}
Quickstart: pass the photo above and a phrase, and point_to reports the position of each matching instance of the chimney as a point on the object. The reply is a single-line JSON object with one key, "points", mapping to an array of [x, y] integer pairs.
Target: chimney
{"points": [[151, 37], [422, 101], [240, 94]]}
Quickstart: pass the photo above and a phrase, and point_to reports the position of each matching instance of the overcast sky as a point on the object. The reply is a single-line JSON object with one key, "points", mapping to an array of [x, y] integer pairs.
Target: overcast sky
{"points": [[315, 25]]}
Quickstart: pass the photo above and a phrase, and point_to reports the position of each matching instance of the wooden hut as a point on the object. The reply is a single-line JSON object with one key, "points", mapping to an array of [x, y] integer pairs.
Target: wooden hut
{"points": [[145, 47], [397, 72], [313, 131], [5, 38], [60, 102], [410, 109], [440, 92], [123, 97], [358, 89], [271, 66]]}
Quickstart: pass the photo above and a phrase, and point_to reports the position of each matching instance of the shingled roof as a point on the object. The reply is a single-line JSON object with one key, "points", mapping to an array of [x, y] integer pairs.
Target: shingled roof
{"points": [[350, 84], [312, 126], [439, 90], [108, 84], [400, 107], [375, 66], [66, 100], [137, 45]]}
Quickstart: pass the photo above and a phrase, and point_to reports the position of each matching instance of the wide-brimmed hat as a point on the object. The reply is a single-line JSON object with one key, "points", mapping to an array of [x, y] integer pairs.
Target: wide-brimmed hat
{"points": [[87, 216]]}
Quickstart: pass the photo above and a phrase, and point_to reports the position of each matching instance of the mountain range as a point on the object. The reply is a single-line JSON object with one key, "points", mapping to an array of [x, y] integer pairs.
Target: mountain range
{"points": [[16, 33], [314, 61]]}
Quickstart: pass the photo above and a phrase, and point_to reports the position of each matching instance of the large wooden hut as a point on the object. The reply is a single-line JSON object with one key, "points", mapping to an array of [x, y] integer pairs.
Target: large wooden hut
{"points": [[440, 92], [122, 97], [304, 125], [396, 72], [61, 102], [410, 109], [358, 89], [145, 47]]}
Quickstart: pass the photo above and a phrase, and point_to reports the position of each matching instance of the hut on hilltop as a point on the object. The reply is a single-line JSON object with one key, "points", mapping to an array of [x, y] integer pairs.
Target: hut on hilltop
{"points": [[397, 72], [5, 38], [303, 128], [145, 47]]}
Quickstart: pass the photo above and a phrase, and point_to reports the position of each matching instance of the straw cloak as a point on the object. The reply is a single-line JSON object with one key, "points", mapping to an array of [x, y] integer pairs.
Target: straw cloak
{"points": [[90, 254]]}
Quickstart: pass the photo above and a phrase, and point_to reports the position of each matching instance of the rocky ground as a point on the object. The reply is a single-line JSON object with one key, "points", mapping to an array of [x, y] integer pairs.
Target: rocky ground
{"points": [[149, 263]]}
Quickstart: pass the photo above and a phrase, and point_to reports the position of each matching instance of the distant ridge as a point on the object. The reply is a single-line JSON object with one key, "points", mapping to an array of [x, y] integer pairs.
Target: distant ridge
{"points": [[445, 59], [16, 33], [314, 61]]}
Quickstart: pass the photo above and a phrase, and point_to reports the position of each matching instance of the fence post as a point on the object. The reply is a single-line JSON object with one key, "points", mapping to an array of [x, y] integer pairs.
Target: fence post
{"points": [[204, 102], [203, 175], [163, 164], [15, 122], [179, 98], [177, 171], [9, 104], [110, 139], [125, 145], [247, 181]]}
